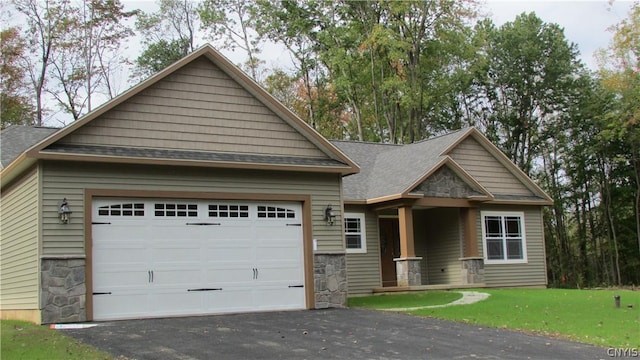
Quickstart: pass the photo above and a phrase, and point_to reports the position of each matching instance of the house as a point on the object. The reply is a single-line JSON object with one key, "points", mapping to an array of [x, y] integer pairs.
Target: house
{"points": [[451, 211], [196, 192]]}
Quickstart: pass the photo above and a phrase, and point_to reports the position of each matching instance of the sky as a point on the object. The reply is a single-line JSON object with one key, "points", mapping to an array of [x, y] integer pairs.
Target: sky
{"points": [[585, 22]]}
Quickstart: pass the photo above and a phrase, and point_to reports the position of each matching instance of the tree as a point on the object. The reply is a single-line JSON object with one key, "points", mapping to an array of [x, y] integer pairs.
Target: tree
{"points": [[527, 78], [168, 35], [620, 73], [15, 106], [232, 22], [47, 22]]}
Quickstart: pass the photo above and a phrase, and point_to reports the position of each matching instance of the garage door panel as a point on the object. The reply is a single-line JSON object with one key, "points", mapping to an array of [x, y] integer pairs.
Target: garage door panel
{"points": [[232, 274], [233, 256], [277, 298], [228, 254], [123, 305], [230, 299], [125, 277]]}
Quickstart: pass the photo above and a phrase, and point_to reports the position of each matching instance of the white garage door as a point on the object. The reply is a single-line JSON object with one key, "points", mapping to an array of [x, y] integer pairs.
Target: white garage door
{"points": [[163, 257]]}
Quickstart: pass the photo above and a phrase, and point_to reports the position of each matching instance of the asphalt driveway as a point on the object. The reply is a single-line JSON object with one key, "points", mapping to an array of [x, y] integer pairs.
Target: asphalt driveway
{"points": [[321, 334]]}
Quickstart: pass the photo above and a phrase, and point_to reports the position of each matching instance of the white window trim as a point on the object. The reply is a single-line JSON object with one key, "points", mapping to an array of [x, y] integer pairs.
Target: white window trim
{"points": [[363, 233], [520, 214]]}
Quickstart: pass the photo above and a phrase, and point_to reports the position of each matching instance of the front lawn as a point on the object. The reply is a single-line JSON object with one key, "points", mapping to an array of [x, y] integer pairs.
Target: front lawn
{"points": [[23, 340], [407, 300], [588, 316]]}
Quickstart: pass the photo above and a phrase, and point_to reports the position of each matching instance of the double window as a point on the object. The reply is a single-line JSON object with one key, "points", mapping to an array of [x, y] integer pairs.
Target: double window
{"points": [[354, 233], [504, 237]]}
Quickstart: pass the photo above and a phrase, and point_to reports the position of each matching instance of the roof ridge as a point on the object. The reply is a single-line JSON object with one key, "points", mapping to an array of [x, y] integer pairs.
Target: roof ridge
{"points": [[366, 142], [442, 135]]}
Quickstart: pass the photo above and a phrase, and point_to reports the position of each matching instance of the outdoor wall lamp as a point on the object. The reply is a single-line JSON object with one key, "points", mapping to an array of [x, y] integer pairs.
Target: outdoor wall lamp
{"points": [[64, 212], [329, 215]]}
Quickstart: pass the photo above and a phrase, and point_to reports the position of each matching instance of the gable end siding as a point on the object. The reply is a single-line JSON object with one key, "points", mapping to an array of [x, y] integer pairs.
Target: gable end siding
{"points": [[197, 108], [68, 179], [534, 272], [486, 169], [19, 210]]}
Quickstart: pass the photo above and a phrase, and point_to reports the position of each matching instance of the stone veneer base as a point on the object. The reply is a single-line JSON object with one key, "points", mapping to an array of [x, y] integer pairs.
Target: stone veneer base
{"points": [[63, 296], [330, 280]]}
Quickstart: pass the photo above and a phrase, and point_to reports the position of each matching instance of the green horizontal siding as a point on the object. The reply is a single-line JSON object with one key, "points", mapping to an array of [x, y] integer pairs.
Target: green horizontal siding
{"points": [[438, 241], [69, 179], [533, 273], [19, 210], [363, 270]]}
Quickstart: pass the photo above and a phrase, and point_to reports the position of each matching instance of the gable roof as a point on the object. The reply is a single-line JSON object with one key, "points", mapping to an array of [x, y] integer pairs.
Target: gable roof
{"points": [[393, 171], [53, 146], [15, 139]]}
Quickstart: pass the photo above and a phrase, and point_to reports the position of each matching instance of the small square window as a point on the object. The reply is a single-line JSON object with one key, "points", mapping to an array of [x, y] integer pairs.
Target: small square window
{"points": [[355, 236]]}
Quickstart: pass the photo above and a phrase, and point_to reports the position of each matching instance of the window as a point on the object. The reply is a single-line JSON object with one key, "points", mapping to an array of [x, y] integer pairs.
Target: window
{"points": [[272, 212], [354, 233], [229, 211], [175, 210], [129, 209], [504, 238]]}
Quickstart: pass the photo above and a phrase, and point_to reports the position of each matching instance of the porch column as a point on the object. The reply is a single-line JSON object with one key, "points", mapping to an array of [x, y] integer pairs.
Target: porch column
{"points": [[470, 216], [407, 265], [405, 218], [472, 262]]}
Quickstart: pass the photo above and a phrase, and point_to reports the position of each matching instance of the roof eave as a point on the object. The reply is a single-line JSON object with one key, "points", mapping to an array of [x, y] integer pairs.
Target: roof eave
{"points": [[541, 202], [15, 168], [342, 170]]}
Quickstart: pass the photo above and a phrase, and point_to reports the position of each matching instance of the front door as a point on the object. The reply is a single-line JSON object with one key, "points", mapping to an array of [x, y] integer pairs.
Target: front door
{"points": [[389, 249]]}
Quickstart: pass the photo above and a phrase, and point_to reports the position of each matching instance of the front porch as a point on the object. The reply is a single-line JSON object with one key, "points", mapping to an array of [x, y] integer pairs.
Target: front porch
{"points": [[427, 247]]}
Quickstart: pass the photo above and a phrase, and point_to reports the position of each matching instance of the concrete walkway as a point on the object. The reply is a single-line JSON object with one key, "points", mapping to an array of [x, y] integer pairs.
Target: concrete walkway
{"points": [[468, 297]]}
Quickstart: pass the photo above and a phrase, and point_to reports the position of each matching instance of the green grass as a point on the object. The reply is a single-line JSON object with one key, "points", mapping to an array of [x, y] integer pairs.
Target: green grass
{"points": [[391, 301], [23, 340], [587, 316]]}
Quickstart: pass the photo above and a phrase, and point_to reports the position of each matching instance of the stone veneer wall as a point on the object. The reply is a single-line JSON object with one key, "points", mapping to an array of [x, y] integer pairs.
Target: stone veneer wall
{"points": [[472, 270], [445, 183], [63, 290], [408, 272], [330, 280]]}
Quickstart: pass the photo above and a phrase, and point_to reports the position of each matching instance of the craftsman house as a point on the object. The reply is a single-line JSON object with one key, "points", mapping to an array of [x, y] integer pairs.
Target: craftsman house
{"points": [[196, 192]]}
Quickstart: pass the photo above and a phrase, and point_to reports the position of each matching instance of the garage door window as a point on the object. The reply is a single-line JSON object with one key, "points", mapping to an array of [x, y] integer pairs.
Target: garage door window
{"points": [[176, 210], [228, 211], [128, 209], [272, 212]]}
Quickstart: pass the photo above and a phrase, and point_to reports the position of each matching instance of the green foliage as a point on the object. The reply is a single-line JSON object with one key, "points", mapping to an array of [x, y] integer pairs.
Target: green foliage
{"points": [[15, 106], [588, 316], [158, 56], [22, 340]]}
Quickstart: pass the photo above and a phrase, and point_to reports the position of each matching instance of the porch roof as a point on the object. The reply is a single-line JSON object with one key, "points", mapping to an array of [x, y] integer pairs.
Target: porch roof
{"points": [[388, 169]]}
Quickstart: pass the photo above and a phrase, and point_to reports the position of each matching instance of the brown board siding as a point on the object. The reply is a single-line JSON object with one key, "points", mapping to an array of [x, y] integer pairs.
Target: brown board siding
{"points": [[533, 273], [363, 270], [438, 242], [486, 169], [70, 179], [197, 108], [19, 210]]}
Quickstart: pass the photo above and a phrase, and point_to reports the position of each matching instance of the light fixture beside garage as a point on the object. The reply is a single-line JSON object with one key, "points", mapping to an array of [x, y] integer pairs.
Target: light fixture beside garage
{"points": [[329, 215], [64, 212]]}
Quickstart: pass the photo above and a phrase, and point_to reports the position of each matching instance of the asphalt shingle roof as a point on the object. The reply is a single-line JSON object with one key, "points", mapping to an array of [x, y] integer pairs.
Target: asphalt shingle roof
{"points": [[390, 169], [16, 139], [189, 155]]}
